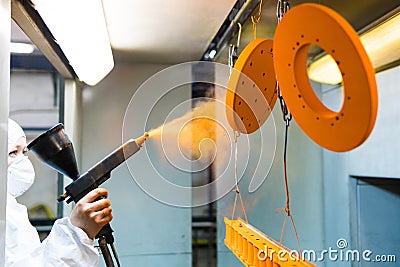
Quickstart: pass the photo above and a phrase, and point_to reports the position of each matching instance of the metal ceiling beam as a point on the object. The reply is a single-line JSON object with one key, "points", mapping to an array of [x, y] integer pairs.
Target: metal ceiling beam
{"points": [[240, 12], [29, 20], [31, 62]]}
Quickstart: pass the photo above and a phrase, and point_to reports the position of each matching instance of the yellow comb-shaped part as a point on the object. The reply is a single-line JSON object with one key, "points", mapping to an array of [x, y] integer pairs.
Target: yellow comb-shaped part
{"points": [[255, 249]]}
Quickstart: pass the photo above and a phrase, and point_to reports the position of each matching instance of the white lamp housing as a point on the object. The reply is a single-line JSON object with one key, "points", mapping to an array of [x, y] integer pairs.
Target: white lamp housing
{"points": [[382, 44], [21, 48], [80, 29]]}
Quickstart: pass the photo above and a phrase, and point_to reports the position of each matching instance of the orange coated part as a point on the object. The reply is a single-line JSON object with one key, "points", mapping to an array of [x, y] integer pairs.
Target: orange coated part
{"points": [[255, 249], [252, 93], [308, 24]]}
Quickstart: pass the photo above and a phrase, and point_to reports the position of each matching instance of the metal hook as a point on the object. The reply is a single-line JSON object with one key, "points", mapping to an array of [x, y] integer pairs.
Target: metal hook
{"points": [[239, 34], [255, 19], [236, 134], [232, 49], [283, 6]]}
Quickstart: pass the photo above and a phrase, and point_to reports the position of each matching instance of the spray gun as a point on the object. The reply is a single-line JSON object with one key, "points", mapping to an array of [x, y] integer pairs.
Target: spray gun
{"points": [[55, 150]]}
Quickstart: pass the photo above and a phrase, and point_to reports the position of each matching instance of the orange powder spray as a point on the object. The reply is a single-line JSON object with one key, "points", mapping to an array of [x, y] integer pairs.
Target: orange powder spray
{"points": [[195, 132]]}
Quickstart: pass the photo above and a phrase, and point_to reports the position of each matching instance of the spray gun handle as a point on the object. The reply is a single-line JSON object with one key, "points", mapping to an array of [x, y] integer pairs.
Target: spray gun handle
{"points": [[106, 232], [106, 252], [105, 237]]}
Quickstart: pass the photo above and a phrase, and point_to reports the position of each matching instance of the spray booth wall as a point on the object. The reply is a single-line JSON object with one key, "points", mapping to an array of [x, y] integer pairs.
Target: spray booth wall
{"points": [[147, 231], [34, 105], [366, 209]]}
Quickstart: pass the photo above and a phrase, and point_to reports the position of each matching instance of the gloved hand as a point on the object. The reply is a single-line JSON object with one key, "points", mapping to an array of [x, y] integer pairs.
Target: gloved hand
{"points": [[91, 213]]}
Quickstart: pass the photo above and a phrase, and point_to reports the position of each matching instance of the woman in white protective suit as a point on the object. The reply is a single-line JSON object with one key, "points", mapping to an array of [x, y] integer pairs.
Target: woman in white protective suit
{"points": [[70, 242]]}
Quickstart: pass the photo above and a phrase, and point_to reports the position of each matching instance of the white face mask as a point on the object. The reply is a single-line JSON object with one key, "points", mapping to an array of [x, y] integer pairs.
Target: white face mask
{"points": [[21, 176]]}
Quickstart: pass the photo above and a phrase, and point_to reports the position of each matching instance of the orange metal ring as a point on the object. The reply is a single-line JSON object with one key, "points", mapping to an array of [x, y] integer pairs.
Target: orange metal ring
{"points": [[309, 24], [252, 93]]}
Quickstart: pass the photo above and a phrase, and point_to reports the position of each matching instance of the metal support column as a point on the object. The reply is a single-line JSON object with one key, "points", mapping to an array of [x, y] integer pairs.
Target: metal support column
{"points": [[5, 36]]}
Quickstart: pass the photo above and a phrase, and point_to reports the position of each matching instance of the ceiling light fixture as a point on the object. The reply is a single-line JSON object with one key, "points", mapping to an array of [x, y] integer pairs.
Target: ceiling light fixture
{"points": [[382, 44], [80, 29], [21, 48], [212, 53]]}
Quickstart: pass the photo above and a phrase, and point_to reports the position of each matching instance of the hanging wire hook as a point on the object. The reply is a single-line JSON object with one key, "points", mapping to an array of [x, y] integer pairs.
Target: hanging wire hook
{"points": [[287, 116], [239, 35], [256, 19], [232, 55], [282, 7], [238, 195]]}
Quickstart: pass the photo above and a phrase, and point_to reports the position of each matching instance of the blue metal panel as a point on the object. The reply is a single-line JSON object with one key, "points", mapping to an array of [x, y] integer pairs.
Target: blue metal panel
{"points": [[378, 213], [31, 62], [378, 156]]}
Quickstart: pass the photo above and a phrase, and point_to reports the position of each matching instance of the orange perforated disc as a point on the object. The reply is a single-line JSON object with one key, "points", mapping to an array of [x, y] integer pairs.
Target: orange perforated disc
{"points": [[315, 24], [251, 90]]}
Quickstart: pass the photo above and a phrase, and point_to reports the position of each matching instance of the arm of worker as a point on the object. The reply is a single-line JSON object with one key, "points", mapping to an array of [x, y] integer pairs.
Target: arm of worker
{"points": [[70, 242], [77, 232]]}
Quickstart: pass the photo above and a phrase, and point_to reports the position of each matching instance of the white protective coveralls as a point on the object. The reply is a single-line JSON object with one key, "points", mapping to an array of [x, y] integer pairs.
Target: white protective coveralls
{"points": [[66, 244]]}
